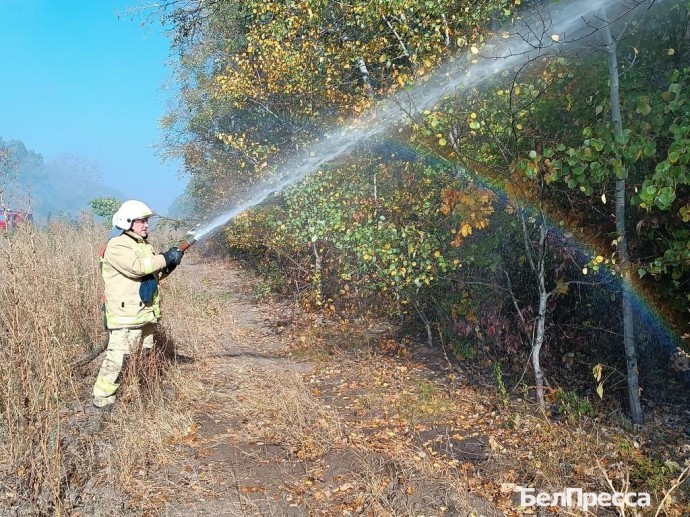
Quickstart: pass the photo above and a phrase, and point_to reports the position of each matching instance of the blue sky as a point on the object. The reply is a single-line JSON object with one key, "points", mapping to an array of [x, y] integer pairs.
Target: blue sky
{"points": [[78, 80]]}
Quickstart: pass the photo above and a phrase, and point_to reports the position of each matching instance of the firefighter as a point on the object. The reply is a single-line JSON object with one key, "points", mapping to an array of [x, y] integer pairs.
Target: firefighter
{"points": [[131, 271]]}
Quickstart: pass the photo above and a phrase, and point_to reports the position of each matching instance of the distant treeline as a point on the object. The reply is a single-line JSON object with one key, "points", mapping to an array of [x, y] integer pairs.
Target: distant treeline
{"points": [[61, 187]]}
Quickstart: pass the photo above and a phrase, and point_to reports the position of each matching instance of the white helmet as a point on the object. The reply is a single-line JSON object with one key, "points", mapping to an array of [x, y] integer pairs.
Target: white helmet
{"points": [[128, 212]]}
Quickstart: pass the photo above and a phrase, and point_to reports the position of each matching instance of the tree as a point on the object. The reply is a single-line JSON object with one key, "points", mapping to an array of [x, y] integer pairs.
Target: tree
{"points": [[47, 189], [621, 234], [624, 152], [264, 78], [104, 206]]}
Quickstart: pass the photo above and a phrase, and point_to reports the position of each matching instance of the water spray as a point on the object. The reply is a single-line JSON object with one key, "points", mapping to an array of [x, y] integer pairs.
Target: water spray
{"points": [[457, 75]]}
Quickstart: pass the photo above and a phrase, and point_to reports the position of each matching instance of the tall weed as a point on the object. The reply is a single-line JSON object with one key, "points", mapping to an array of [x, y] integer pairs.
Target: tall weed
{"points": [[51, 446], [49, 315]]}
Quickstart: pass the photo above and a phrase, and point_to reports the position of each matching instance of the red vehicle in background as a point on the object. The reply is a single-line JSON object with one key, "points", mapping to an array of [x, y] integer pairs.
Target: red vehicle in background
{"points": [[10, 219]]}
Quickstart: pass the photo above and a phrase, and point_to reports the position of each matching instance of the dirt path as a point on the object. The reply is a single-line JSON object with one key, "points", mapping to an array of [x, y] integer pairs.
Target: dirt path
{"points": [[289, 427]]}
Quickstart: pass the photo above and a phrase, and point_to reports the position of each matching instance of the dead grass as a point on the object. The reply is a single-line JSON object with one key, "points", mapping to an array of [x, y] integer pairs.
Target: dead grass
{"points": [[162, 392], [49, 299], [50, 291], [375, 406], [406, 399], [386, 404], [402, 486], [276, 407]]}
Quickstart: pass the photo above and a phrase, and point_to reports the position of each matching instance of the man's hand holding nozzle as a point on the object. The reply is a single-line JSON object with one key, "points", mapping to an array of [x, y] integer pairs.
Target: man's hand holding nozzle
{"points": [[173, 257]]}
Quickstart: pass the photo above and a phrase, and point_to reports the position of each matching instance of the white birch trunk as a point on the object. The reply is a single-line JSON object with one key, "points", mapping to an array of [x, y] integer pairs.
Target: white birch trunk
{"points": [[541, 318], [626, 286]]}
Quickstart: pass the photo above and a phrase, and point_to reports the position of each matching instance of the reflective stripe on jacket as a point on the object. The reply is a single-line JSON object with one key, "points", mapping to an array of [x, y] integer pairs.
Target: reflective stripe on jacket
{"points": [[127, 259]]}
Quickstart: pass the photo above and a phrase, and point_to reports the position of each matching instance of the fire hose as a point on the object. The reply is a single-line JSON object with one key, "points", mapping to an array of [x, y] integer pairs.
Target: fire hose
{"points": [[82, 361]]}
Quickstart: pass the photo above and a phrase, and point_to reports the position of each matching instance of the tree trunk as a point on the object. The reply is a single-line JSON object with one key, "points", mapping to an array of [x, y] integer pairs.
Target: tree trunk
{"points": [[364, 72], [318, 279], [626, 286], [539, 330], [538, 340]]}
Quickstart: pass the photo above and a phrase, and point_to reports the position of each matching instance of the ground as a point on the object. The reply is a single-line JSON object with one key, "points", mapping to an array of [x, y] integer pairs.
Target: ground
{"points": [[322, 452], [298, 414]]}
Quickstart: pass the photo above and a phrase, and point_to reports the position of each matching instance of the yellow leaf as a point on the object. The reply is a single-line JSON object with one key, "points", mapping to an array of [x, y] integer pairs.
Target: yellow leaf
{"points": [[474, 50], [493, 443], [442, 142], [561, 287], [597, 371], [555, 37]]}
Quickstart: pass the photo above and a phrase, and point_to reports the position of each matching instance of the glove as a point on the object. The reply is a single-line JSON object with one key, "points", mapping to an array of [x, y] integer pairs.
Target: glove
{"points": [[173, 256]]}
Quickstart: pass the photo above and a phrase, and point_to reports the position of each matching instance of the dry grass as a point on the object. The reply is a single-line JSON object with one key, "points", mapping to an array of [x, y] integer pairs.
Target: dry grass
{"points": [[49, 298], [275, 406], [161, 393], [50, 457], [397, 398], [400, 486], [50, 291]]}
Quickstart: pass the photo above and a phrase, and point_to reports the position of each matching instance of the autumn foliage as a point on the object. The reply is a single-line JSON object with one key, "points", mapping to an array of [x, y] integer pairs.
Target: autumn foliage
{"points": [[488, 220]]}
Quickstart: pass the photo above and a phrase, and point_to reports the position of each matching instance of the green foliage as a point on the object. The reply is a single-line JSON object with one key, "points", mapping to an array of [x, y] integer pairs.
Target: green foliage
{"points": [[261, 78], [572, 406], [269, 77], [357, 218], [653, 152], [649, 473], [261, 291], [427, 391], [646, 473], [104, 206], [498, 374]]}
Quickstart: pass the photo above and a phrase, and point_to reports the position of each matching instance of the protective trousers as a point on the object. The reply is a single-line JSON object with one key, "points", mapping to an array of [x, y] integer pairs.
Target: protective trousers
{"points": [[121, 343]]}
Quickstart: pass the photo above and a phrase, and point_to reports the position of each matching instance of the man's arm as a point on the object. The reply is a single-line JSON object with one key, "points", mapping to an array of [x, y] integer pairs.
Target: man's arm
{"points": [[125, 260]]}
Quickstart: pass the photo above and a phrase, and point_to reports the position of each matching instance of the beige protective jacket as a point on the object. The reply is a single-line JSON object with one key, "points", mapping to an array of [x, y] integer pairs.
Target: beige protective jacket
{"points": [[127, 259]]}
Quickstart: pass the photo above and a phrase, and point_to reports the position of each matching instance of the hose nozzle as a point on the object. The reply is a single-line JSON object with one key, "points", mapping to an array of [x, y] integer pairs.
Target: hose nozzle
{"points": [[189, 240]]}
